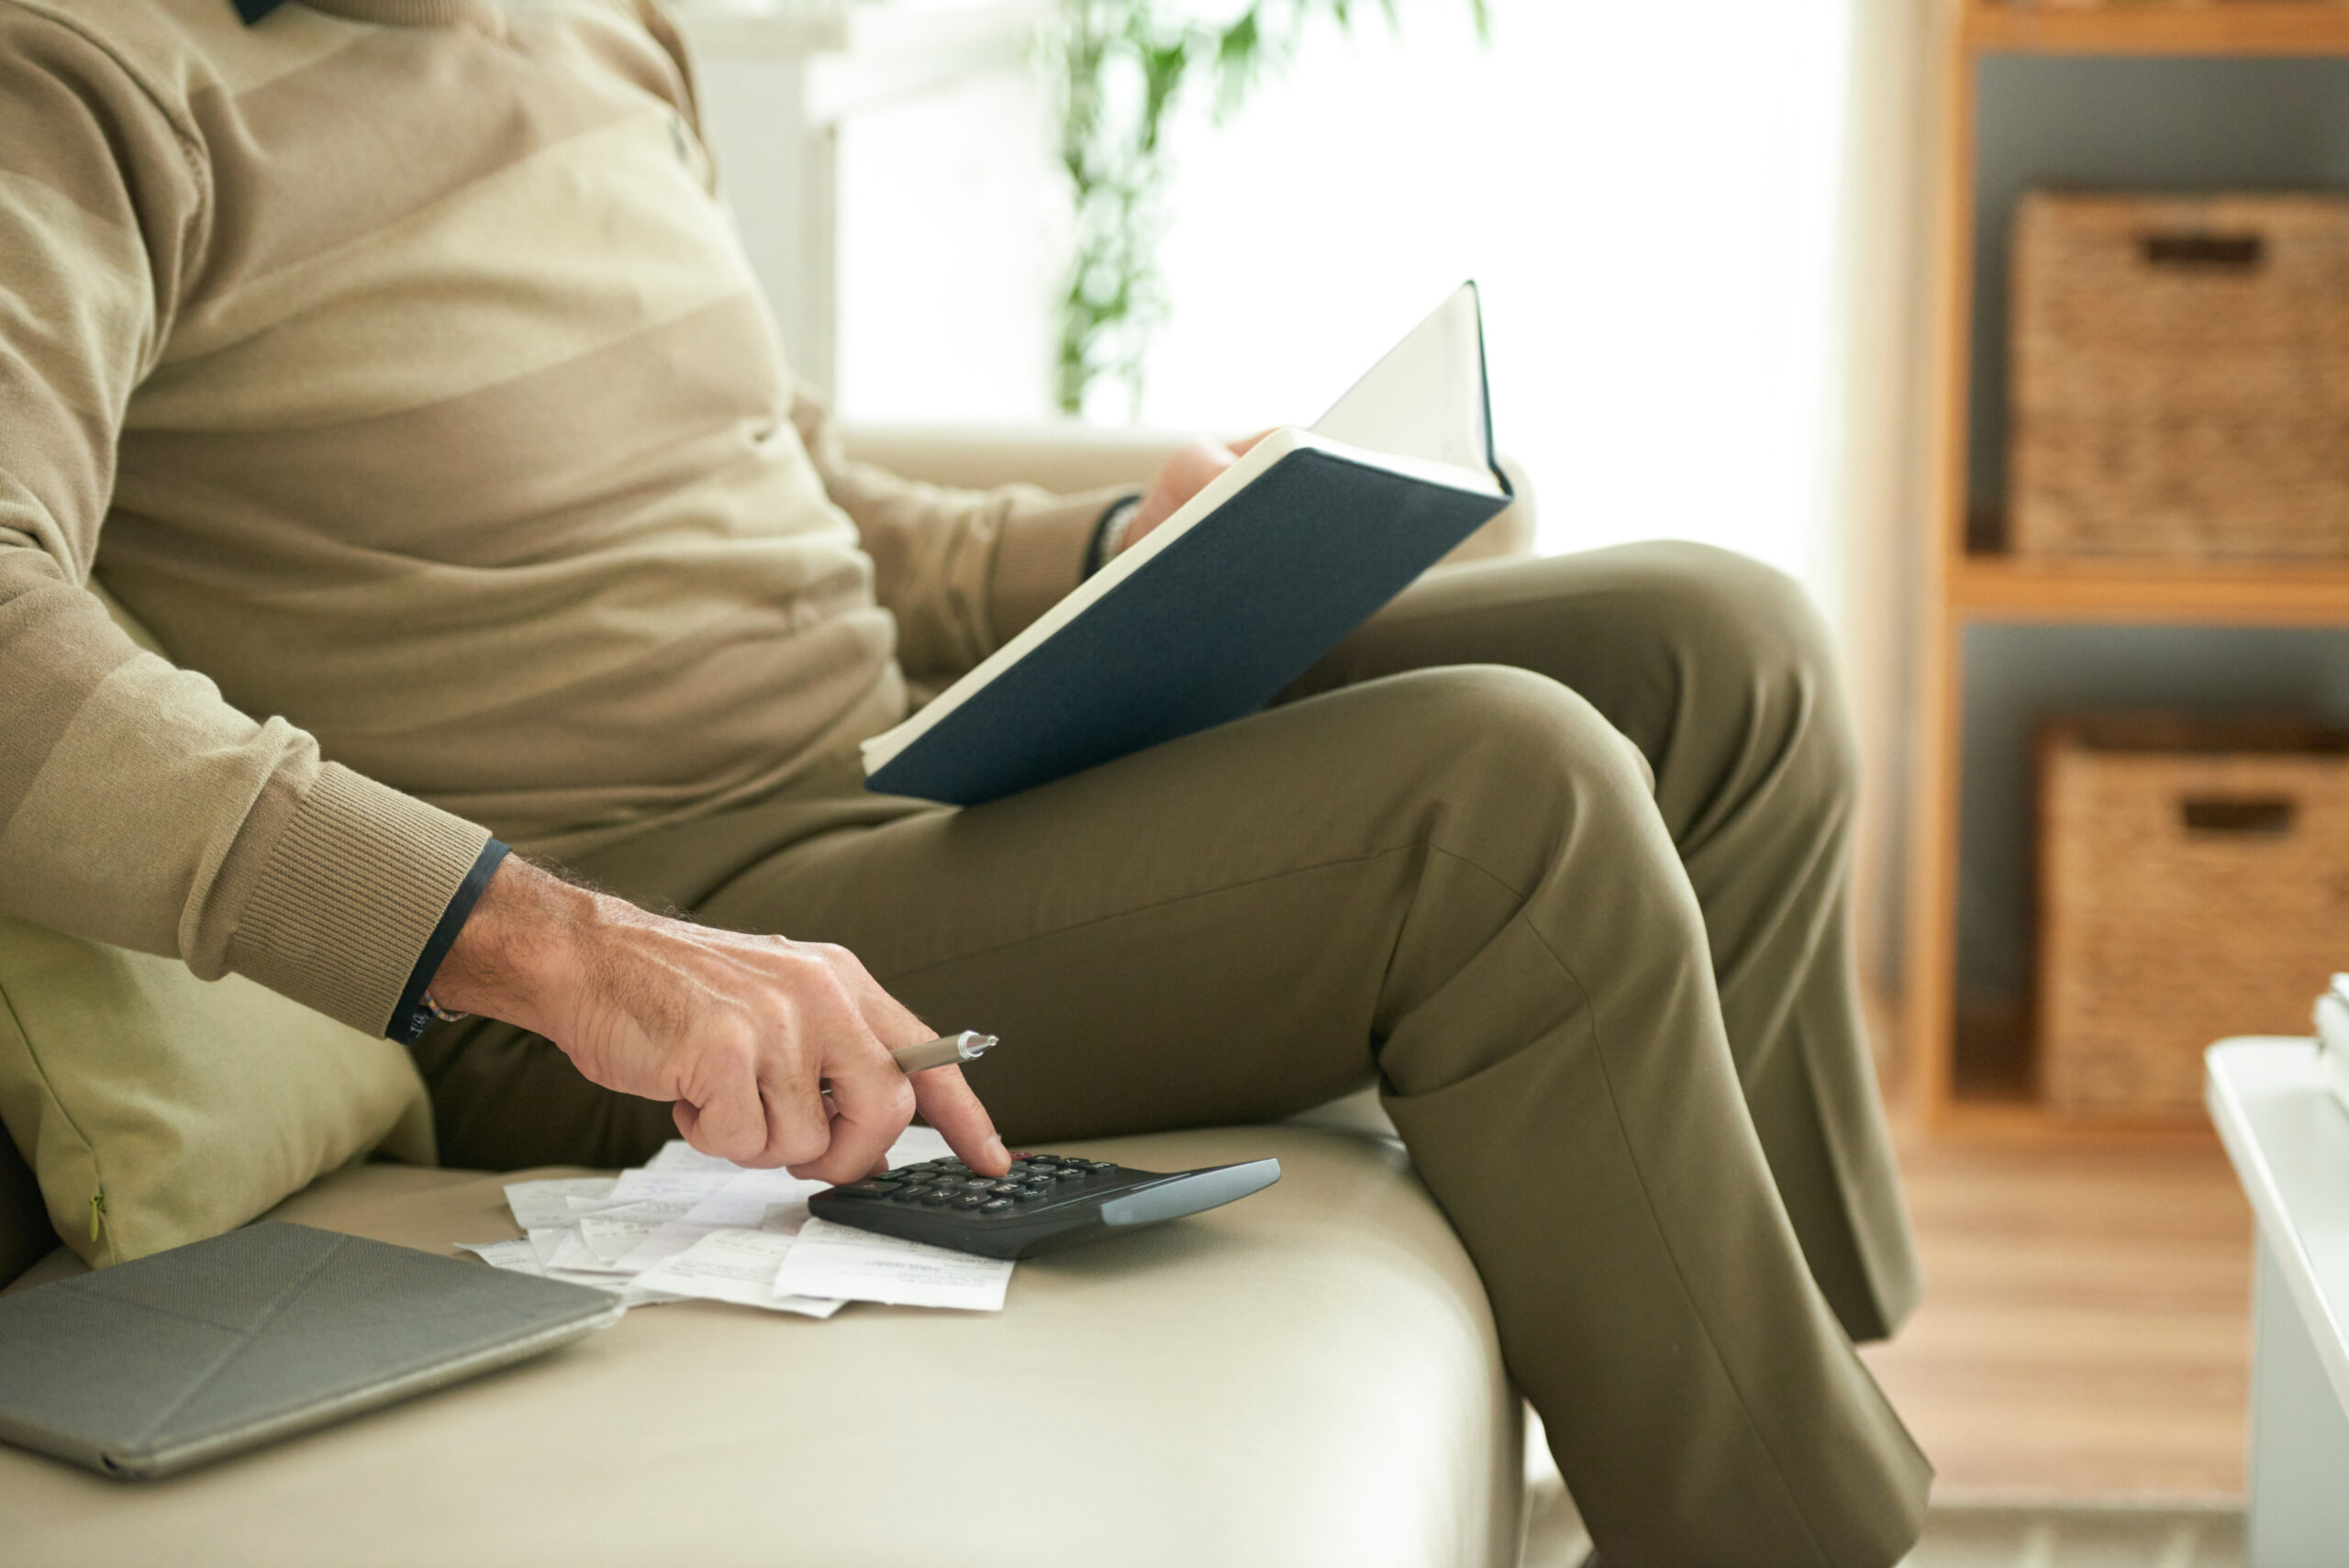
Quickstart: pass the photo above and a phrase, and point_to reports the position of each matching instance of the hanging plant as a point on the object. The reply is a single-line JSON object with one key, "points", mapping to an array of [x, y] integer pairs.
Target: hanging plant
{"points": [[1123, 66]]}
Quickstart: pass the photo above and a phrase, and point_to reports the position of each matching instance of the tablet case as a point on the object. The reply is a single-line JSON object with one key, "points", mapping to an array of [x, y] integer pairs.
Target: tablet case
{"points": [[186, 1356]]}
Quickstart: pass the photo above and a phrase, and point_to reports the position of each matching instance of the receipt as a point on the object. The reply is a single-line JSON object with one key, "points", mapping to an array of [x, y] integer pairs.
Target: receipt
{"points": [[828, 1260], [743, 1203], [737, 1266], [679, 1156], [575, 1261], [690, 1185], [519, 1257], [916, 1144], [611, 1239], [539, 1205]]}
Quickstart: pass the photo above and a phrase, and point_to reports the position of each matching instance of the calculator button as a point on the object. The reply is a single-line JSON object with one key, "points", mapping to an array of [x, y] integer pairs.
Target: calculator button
{"points": [[998, 1206], [1068, 1174], [972, 1200], [1005, 1186], [937, 1197], [874, 1185]]}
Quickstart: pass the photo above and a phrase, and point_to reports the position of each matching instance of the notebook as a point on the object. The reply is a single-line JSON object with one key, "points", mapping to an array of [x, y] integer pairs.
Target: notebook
{"points": [[190, 1355], [1209, 616]]}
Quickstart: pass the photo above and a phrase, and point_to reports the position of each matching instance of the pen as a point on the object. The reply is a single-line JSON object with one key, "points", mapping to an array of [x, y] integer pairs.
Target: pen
{"points": [[943, 1052]]}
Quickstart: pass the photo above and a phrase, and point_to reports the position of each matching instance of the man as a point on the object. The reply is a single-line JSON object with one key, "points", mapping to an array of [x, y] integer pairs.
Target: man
{"points": [[393, 360]]}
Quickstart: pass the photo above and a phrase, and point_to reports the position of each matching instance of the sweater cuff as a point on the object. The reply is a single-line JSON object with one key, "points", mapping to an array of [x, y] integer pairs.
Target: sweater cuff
{"points": [[354, 888], [1040, 557]]}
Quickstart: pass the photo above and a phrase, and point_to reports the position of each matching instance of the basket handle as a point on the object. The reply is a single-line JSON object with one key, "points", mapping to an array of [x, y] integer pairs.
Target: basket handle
{"points": [[2201, 250], [2265, 816]]}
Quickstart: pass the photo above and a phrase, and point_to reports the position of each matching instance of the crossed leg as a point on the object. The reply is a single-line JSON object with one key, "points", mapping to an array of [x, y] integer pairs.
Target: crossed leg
{"points": [[1571, 906]]}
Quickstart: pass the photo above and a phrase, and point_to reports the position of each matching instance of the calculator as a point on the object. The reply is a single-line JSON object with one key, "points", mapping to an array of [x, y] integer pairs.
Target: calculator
{"points": [[1044, 1203]]}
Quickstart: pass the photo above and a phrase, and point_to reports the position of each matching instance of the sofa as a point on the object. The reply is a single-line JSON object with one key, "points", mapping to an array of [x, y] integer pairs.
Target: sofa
{"points": [[1307, 1377]]}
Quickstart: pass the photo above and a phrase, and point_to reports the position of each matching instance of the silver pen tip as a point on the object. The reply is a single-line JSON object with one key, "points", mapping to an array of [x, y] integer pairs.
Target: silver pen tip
{"points": [[970, 1045]]}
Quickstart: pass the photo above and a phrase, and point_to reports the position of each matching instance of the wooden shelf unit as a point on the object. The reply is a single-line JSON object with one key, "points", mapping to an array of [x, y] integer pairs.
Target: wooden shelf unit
{"points": [[2146, 26], [1968, 588]]}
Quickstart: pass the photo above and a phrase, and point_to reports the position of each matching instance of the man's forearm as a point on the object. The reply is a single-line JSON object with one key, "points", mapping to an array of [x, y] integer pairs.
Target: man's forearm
{"points": [[741, 1034]]}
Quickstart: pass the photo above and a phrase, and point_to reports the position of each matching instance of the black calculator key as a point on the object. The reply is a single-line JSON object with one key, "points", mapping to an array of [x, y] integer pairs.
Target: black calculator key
{"points": [[1055, 1201]]}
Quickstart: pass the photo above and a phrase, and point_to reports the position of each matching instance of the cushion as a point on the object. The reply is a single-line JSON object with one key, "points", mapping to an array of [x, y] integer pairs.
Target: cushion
{"points": [[156, 1108], [1308, 1377]]}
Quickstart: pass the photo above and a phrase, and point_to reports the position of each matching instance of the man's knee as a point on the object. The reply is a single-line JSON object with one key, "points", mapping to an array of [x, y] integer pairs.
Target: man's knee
{"points": [[1512, 759], [1748, 643]]}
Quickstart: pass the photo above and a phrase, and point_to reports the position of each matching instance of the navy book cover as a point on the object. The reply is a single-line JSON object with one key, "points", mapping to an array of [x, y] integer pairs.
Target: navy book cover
{"points": [[1211, 629]]}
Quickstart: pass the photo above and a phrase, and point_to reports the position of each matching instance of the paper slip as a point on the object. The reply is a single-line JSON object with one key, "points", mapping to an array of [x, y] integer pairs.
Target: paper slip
{"points": [[612, 1239], [516, 1257], [691, 1185], [679, 1156], [737, 1266], [544, 1242], [539, 1205], [918, 1143], [828, 1260], [521, 1258], [573, 1256], [741, 1204], [652, 1210]]}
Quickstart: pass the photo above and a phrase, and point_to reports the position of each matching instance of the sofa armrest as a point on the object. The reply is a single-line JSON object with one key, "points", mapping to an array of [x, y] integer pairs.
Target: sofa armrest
{"points": [[1074, 457]]}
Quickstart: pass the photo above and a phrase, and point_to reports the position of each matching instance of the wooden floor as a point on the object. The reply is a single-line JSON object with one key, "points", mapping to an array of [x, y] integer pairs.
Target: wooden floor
{"points": [[2086, 1327]]}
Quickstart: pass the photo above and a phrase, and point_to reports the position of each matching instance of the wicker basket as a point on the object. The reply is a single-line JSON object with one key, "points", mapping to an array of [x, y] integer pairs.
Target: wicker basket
{"points": [[2194, 883], [2180, 376]]}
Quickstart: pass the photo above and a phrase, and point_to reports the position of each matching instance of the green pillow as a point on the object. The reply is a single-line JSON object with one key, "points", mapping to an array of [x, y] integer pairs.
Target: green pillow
{"points": [[157, 1109]]}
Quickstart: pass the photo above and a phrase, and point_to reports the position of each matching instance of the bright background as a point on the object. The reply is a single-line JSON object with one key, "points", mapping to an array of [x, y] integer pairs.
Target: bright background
{"points": [[1650, 198]]}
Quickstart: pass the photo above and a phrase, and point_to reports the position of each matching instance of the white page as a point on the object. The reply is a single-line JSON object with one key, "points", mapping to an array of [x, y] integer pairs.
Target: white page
{"points": [[514, 1257], [737, 1266], [539, 1205], [1426, 398], [837, 1260], [545, 1242]]}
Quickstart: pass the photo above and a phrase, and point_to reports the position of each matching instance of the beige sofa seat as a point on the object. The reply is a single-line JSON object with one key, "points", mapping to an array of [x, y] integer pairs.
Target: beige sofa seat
{"points": [[1307, 1377]]}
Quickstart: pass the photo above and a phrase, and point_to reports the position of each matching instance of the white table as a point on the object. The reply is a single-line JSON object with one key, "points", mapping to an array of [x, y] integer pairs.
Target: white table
{"points": [[2289, 1142]]}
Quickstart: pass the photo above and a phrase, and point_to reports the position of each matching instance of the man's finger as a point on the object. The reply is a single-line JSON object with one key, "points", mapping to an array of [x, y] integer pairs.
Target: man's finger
{"points": [[948, 1105], [731, 1124], [871, 1104]]}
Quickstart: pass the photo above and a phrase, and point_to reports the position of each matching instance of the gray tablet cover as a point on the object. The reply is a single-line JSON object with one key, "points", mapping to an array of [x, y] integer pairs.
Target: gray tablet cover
{"points": [[151, 1367]]}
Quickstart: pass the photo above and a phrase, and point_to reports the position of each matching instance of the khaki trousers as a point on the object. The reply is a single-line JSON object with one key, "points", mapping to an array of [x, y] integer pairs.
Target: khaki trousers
{"points": [[1554, 851]]}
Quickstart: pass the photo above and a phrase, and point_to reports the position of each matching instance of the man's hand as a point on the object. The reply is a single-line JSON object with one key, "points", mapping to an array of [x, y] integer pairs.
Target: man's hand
{"points": [[1186, 471], [742, 1033]]}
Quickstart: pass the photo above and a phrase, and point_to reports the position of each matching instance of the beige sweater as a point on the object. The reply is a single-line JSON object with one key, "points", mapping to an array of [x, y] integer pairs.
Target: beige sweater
{"points": [[394, 360]]}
